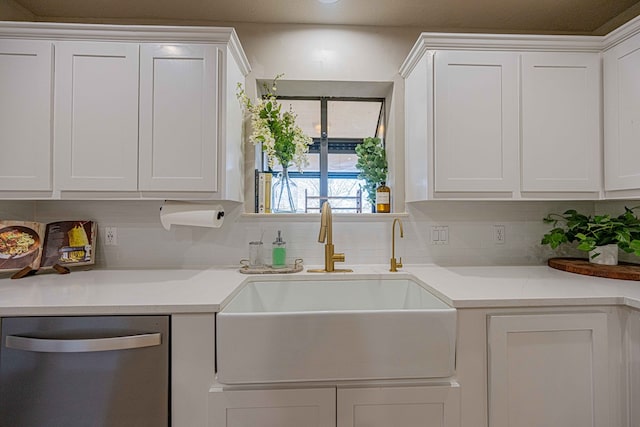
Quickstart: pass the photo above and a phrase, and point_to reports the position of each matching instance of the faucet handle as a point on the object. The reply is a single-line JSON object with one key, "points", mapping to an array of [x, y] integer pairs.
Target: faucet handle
{"points": [[339, 257], [399, 264]]}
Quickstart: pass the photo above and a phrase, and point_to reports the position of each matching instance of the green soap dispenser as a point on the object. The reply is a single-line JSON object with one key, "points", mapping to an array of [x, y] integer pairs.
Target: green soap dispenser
{"points": [[279, 252]]}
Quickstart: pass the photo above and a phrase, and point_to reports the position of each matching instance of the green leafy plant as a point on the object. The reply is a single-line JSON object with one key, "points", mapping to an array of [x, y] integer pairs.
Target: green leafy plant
{"points": [[591, 231], [282, 140], [372, 163]]}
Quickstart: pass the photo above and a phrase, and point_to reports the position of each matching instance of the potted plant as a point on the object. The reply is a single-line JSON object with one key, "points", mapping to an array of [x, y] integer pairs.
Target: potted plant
{"points": [[281, 139], [600, 235], [372, 163]]}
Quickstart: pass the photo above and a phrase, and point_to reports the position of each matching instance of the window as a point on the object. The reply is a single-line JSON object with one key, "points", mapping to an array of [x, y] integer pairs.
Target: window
{"points": [[337, 125]]}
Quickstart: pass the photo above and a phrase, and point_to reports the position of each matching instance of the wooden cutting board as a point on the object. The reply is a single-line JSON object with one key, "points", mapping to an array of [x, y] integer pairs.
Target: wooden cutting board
{"points": [[623, 271]]}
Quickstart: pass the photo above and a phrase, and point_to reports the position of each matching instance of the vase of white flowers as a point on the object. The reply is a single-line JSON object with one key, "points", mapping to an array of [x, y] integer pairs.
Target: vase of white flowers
{"points": [[281, 139], [284, 193]]}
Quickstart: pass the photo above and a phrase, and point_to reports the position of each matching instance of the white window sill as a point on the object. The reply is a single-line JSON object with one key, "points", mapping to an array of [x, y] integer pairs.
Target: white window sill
{"points": [[315, 217]]}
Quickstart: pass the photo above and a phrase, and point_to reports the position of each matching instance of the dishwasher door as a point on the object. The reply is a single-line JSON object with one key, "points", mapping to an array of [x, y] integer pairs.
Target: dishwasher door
{"points": [[98, 371]]}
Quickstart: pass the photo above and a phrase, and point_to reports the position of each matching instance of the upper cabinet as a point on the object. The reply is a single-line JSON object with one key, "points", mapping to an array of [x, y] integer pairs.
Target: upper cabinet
{"points": [[622, 113], [26, 92], [560, 129], [96, 116], [502, 117], [475, 121], [138, 111], [178, 101]]}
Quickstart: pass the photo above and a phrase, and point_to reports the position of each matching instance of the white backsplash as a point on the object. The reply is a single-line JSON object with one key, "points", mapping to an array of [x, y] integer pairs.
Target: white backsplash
{"points": [[18, 210], [143, 243]]}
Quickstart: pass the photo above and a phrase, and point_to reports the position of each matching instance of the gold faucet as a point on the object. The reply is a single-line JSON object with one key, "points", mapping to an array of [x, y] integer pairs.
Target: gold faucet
{"points": [[395, 264], [326, 234]]}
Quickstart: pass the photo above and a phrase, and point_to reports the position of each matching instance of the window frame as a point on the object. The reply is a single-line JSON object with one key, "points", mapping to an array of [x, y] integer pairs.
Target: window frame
{"points": [[325, 145]]}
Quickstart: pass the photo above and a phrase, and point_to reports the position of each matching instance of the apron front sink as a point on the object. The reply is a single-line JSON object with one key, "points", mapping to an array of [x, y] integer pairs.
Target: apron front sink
{"points": [[334, 329]]}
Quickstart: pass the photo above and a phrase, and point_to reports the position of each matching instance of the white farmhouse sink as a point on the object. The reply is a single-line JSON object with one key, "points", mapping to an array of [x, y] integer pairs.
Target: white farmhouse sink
{"points": [[334, 329]]}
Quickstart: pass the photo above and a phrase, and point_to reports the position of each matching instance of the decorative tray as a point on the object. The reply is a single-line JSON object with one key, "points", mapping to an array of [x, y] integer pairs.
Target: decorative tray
{"points": [[267, 269], [622, 271]]}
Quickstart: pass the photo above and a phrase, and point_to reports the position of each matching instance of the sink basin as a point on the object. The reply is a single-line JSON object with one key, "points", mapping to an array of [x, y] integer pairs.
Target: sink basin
{"points": [[332, 329]]}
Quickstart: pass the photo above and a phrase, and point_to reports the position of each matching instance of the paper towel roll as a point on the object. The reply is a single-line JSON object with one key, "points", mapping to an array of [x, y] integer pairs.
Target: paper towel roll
{"points": [[182, 213]]}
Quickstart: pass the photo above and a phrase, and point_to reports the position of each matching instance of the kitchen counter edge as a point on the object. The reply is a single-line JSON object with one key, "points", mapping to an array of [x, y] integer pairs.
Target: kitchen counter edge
{"points": [[175, 291]]}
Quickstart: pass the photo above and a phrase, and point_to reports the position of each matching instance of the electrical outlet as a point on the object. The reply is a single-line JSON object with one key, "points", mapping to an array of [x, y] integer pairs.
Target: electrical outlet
{"points": [[440, 235], [498, 234], [111, 236]]}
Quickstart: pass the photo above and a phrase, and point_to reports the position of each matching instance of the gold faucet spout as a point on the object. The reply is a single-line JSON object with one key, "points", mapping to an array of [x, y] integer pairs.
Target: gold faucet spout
{"points": [[326, 235], [326, 224], [394, 263]]}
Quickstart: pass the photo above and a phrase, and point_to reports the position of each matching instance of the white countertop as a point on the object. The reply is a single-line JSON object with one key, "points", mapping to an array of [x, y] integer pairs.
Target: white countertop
{"points": [[524, 286], [119, 292], [202, 291]]}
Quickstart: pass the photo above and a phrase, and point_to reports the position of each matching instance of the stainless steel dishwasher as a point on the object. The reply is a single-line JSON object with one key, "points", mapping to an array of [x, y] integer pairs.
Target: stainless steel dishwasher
{"points": [[97, 371]]}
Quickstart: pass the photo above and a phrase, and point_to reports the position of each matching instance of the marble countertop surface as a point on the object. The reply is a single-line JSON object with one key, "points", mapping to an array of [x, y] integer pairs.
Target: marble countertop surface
{"points": [[204, 291]]}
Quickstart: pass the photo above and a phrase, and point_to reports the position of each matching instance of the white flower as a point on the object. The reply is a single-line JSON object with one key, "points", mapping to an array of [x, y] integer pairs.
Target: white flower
{"points": [[281, 138]]}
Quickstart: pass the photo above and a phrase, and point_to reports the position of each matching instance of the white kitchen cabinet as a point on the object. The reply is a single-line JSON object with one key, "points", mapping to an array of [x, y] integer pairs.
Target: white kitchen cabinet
{"points": [[502, 117], [96, 116], [25, 114], [475, 121], [193, 355], [139, 111], [633, 366], [380, 406], [561, 122], [419, 406], [273, 408], [178, 110], [622, 118], [548, 370]]}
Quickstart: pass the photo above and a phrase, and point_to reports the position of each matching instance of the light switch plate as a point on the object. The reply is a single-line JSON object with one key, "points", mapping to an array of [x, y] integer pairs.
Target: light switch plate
{"points": [[440, 235]]}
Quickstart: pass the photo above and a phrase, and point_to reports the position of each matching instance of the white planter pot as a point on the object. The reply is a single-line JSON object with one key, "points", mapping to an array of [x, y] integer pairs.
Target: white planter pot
{"points": [[608, 255]]}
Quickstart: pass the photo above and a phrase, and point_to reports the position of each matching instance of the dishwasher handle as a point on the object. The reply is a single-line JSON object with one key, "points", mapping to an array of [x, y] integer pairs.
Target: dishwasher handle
{"points": [[82, 345]]}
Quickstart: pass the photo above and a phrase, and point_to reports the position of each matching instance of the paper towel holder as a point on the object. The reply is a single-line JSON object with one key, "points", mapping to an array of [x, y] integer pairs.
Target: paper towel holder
{"points": [[191, 214]]}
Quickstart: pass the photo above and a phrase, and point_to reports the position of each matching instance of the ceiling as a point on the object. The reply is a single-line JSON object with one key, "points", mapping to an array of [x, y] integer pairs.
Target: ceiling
{"points": [[531, 16]]}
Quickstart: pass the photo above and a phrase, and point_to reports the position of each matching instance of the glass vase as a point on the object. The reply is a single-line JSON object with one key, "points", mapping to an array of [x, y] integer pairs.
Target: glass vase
{"points": [[284, 194]]}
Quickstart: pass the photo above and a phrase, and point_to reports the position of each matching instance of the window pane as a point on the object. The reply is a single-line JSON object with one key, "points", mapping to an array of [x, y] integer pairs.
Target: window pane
{"points": [[347, 188], [349, 121], [312, 185], [343, 162], [308, 113], [352, 119], [314, 164]]}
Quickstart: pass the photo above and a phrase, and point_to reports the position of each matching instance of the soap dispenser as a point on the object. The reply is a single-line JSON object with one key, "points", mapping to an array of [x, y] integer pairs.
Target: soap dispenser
{"points": [[279, 252]]}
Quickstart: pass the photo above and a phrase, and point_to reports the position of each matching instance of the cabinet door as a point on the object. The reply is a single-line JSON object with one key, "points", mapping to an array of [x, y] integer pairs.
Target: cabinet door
{"points": [[622, 116], [25, 114], [560, 122], [273, 408], [178, 117], [548, 370], [430, 406], [476, 121], [633, 355], [96, 116], [418, 123]]}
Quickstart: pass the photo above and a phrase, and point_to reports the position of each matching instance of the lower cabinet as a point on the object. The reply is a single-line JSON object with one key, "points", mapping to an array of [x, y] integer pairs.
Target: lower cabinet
{"points": [[273, 408], [429, 406], [548, 370], [411, 406], [633, 366]]}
